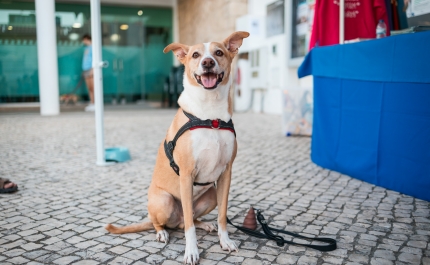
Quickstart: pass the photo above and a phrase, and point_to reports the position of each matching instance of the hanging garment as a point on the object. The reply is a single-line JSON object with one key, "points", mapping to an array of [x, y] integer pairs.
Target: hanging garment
{"points": [[361, 18], [389, 12], [396, 22]]}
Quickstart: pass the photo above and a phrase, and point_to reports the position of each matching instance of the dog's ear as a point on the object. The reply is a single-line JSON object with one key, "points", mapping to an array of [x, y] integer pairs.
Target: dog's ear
{"points": [[180, 50], [234, 41]]}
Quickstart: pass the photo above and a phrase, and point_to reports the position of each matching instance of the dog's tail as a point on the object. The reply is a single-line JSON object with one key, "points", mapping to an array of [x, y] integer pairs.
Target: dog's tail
{"points": [[129, 228]]}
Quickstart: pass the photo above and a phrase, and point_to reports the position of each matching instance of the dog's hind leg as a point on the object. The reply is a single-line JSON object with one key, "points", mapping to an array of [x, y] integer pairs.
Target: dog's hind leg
{"points": [[164, 211], [204, 205]]}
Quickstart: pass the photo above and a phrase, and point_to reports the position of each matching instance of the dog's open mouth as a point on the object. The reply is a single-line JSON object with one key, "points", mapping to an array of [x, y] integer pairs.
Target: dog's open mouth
{"points": [[209, 80]]}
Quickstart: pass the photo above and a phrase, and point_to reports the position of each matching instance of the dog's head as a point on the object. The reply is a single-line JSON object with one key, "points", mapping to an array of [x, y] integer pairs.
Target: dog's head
{"points": [[208, 64]]}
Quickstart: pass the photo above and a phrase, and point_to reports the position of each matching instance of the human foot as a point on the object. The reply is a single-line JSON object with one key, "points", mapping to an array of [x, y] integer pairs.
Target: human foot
{"points": [[7, 186]]}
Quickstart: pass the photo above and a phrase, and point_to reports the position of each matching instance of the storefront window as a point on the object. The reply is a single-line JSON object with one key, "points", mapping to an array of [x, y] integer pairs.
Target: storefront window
{"points": [[303, 13], [133, 40]]}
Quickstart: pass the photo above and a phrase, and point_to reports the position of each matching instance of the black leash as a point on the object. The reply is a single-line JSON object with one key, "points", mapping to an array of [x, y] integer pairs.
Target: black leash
{"points": [[280, 241]]}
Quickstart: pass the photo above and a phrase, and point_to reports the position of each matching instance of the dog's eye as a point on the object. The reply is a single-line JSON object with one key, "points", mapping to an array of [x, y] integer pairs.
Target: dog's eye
{"points": [[219, 53], [196, 55]]}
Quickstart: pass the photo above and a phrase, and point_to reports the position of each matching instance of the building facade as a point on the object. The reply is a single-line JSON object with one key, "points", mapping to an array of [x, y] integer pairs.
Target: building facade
{"points": [[209, 20]]}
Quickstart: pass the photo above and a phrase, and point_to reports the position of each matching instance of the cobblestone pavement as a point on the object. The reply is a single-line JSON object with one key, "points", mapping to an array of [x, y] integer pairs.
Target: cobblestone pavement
{"points": [[57, 217]]}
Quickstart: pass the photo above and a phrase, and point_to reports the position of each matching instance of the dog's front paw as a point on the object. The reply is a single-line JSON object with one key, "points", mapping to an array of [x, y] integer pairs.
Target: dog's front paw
{"points": [[191, 251], [226, 243], [191, 254], [162, 236]]}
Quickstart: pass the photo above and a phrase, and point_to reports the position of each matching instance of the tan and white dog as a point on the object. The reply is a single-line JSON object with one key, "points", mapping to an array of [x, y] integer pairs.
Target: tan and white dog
{"points": [[203, 155]]}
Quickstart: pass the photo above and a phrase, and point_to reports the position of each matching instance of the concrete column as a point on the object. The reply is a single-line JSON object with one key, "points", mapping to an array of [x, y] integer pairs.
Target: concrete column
{"points": [[47, 57], [175, 28]]}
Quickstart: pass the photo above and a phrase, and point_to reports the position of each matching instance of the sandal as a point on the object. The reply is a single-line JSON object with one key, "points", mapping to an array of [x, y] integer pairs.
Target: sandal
{"points": [[3, 182]]}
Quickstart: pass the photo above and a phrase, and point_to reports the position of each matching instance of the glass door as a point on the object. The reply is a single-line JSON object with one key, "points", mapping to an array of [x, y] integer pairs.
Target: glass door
{"points": [[123, 47]]}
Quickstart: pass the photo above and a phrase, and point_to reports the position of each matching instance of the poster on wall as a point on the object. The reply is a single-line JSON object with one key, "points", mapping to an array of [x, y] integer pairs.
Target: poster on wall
{"points": [[303, 17], [297, 112], [417, 8]]}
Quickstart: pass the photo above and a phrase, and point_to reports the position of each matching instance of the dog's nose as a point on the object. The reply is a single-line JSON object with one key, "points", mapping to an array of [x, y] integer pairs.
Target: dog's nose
{"points": [[208, 63]]}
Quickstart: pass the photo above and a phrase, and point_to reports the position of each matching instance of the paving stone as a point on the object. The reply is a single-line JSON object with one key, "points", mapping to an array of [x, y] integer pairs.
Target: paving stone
{"points": [[286, 259], [18, 260], [385, 254], [14, 252], [86, 262], [31, 246], [66, 260], [155, 259], [410, 258], [102, 257], [135, 254], [215, 256], [120, 261], [86, 244], [170, 254], [34, 254], [169, 262], [270, 258], [417, 244], [379, 261], [359, 258], [235, 260], [119, 249]]}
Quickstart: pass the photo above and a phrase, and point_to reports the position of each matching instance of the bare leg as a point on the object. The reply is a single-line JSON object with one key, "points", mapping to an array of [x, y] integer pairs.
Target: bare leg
{"points": [[90, 84]]}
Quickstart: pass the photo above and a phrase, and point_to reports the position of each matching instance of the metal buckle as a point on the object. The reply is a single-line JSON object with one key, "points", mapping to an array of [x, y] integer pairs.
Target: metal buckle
{"points": [[170, 146]]}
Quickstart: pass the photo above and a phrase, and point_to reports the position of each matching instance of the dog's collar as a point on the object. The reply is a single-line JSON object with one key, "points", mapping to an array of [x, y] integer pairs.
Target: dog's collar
{"points": [[192, 124]]}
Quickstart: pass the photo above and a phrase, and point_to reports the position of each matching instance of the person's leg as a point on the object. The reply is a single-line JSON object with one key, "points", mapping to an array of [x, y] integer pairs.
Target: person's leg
{"points": [[89, 80]]}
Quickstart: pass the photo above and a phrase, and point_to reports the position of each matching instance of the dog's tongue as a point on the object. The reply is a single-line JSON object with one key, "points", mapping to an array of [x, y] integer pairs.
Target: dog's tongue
{"points": [[209, 80]]}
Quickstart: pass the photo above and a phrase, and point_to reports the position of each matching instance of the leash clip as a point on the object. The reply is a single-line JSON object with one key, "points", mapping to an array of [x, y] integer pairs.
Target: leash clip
{"points": [[258, 211]]}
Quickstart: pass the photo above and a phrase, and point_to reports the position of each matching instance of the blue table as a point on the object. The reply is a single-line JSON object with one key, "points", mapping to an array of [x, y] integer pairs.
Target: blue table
{"points": [[372, 111]]}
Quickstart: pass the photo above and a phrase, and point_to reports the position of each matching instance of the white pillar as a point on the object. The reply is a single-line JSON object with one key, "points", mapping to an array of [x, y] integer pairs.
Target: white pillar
{"points": [[98, 79], [47, 57], [175, 28]]}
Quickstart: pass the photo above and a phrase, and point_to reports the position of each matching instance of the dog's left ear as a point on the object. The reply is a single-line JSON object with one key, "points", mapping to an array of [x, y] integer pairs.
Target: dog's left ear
{"points": [[234, 41]]}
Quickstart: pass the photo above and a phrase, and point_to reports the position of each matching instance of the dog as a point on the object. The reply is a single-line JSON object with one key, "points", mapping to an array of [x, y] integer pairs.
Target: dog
{"points": [[68, 97], [204, 156]]}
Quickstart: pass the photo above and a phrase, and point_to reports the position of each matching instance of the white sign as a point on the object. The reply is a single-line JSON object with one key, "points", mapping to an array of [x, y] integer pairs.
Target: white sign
{"points": [[418, 7]]}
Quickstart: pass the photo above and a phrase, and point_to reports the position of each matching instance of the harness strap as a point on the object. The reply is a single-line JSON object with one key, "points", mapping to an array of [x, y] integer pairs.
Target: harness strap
{"points": [[280, 241], [194, 123]]}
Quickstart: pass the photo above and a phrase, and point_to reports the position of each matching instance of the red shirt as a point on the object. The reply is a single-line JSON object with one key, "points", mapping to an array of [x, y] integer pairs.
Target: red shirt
{"points": [[361, 19]]}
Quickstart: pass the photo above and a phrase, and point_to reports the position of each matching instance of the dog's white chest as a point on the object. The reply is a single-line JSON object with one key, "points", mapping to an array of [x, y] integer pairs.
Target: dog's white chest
{"points": [[212, 151]]}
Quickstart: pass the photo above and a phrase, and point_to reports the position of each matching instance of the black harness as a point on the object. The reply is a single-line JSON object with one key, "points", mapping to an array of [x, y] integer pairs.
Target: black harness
{"points": [[194, 123]]}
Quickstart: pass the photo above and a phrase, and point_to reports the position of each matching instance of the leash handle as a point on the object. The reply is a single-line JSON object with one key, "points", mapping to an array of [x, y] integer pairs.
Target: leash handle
{"points": [[280, 241]]}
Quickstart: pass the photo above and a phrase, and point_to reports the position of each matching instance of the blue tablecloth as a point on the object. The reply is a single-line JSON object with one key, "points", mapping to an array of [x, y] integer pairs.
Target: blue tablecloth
{"points": [[372, 111]]}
